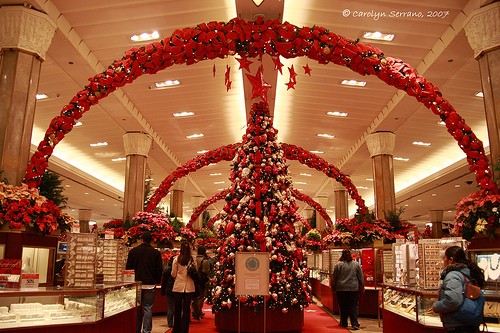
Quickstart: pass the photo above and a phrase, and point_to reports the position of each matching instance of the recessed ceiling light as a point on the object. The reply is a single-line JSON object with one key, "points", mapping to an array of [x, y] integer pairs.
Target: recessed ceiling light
{"points": [[300, 183], [167, 83], [148, 179], [433, 194], [353, 83], [86, 193], [78, 123], [457, 185], [442, 123], [216, 174], [362, 187], [145, 36], [479, 94], [419, 200], [99, 144], [212, 164], [299, 189], [377, 35], [220, 189], [221, 182], [306, 174], [327, 136], [202, 151], [183, 114], [369, 179], [406, 205], [337, 114], [67, 185], [118, 159], [329, 210], [194, 136], [401, 159], [420, 143], [317, 152], [102, 199], [41, 96]]}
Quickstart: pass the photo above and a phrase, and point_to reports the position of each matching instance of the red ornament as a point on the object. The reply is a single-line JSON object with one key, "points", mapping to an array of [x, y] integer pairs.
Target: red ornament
{"points": [[244, 63], [277, 64], [259, 86], [307, 70]]}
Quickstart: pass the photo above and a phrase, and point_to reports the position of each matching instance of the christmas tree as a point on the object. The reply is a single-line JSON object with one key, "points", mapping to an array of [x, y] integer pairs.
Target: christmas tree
{"points": [[260, 216]]}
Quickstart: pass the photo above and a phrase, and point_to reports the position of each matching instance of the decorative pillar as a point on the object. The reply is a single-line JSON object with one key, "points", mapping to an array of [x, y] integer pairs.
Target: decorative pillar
{"points": [[341, 204], [84, 216], [137, 146], [176, 199], [483, 33], [381, 147], [437, 223], [25, 36], [320, 221], [196, 201]]}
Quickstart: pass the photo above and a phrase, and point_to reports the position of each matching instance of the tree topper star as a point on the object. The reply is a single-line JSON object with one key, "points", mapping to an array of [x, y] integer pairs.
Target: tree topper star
{"points": [[259, 86]]}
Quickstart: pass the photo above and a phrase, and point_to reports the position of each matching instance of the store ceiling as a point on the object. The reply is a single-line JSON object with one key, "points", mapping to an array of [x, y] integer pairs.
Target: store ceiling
{"points": [[92, 34]]}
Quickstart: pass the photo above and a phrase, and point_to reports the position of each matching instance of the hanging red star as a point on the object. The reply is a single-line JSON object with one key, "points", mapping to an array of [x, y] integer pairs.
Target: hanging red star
{"points": [[213, 70], [293, 75], [290, 84], [277, 64], [226, 75], [259, 86], [307, 70], [228, 85], [244, 63]]}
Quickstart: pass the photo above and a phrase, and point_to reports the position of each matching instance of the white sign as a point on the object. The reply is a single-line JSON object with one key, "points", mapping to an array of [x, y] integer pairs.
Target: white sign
{"points": [[252, 273], [29, 280], [128, 275]]}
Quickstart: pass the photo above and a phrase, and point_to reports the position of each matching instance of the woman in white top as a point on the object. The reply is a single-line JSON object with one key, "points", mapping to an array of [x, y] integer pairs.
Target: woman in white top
{"points": [[183, 289]]}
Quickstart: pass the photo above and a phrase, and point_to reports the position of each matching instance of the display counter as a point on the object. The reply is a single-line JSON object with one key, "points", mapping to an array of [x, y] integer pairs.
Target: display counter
{"points": [[46, 309], [411, 308]]}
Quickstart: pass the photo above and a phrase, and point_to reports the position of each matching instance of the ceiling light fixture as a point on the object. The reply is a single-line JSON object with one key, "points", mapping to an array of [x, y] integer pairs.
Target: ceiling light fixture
{"points": [[306, 174], [401, 159], [145, 36], [167, 83], [362, 187], [353, 83], [202, 151], [41, 96], [78, 124], [183, 114], [337, 114], [118, 159], [317, 152], [377, 35], [369, 179], [442, 123], [479, 94], [257, 2], [99, 144], [326, 136], [194, 136], [420, 143], [221, 182], [216, 174], [301, 183]]}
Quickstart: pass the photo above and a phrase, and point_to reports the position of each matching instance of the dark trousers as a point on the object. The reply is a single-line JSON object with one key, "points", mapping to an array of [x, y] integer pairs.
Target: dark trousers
{"points": [[182, 313], [463, 329], [348, 306], [198, 302], [170, 309]]}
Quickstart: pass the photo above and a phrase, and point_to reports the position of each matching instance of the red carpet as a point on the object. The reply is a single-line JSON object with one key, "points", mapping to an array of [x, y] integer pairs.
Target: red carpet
{"points": [[315, 320]]}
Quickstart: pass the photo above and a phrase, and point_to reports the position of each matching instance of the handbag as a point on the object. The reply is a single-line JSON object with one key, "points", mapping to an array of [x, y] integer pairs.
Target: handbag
{"points": [[193, 274]]}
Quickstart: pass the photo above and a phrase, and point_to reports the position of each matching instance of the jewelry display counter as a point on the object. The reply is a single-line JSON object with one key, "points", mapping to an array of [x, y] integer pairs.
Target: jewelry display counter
{"points": [[42, 310], [411, 308]]}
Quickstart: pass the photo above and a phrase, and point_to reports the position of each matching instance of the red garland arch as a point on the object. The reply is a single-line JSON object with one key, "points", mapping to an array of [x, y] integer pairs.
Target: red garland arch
{"points": [[222, 194], [251, 39]]}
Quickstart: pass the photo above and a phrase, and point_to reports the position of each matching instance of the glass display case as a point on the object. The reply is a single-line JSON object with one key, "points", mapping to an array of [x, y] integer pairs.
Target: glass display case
{"points": [[47, 306], [415, 304], [489, 261], [111, 259]]}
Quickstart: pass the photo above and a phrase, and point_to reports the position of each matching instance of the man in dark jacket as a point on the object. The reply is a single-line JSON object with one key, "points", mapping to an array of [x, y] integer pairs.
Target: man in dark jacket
{"points": [[146, 261]]}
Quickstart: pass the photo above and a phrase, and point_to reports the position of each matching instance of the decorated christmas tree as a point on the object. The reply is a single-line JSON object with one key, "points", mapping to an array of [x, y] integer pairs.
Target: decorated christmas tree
{"points": [[260, 216]]}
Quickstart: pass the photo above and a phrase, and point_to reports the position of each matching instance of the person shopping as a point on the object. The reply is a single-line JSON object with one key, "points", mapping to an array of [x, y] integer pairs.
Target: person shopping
{"points": [[183, 289], [347, 282], [203, 265], [457, 268], [146, 261]]}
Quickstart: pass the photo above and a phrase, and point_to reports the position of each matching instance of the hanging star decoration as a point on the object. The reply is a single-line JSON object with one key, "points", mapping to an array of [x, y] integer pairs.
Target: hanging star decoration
{"points": [[244, 63], [293, 78], [227, 80], [277, 64], [307, 69], [259, 86]]}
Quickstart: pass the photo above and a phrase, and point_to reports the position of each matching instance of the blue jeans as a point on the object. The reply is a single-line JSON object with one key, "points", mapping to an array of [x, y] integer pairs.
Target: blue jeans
{"points": [[170, 309], [144, 313]]}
